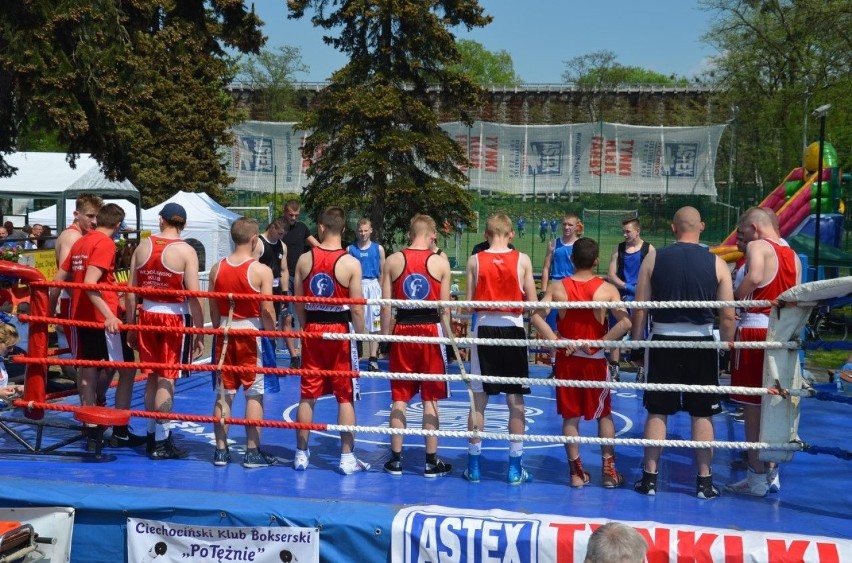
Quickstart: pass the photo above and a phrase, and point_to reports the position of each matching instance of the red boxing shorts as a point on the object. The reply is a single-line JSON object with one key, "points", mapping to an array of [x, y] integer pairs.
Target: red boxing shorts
{"points": [[165, 347], [747, 368], [334, 355], [574, 402], [414, 357]]}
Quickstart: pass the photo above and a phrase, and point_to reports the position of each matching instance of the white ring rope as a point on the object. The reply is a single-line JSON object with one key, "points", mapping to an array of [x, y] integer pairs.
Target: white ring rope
{"points": [[616, 386], [564, 343], [485, 305], [544, 438]]}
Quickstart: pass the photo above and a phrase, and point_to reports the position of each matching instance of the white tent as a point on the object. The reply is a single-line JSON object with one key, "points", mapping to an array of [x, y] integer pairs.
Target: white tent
{"points": [[47, 216], [47, 175], [206, 221]]}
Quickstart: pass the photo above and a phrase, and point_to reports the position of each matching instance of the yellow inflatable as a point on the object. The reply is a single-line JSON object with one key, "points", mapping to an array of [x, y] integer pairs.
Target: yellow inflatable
{"points": [[727, 253]]}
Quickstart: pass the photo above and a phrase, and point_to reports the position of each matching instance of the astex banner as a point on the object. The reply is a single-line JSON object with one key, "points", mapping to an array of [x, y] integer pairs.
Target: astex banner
{"points": [[161, 542], [518, 159], [435, 533]]}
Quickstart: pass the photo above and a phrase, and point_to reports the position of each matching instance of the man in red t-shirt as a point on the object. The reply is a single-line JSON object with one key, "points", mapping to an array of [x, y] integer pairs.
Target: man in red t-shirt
{"points": [[91, 260], [584, 364]]}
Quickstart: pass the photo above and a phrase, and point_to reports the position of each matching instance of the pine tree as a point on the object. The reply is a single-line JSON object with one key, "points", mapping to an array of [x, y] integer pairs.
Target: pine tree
{"points": [[375, 144]]}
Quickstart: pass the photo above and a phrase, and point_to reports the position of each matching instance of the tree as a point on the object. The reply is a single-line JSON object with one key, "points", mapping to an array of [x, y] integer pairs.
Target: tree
{"points": [[375, 144], [779, 60], [485, 67], [139, 85], [271, 75], [599, 72]]}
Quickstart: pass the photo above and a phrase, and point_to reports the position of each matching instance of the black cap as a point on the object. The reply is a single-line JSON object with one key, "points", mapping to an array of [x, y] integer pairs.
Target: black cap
{"points": [[173, 211]]}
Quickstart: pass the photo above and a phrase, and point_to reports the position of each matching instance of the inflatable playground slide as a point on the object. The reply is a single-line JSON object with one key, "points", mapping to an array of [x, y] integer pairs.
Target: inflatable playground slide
{"points": [[795, 199]]}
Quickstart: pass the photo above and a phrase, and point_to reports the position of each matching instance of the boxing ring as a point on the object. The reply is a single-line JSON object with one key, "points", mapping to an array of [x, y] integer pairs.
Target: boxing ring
{"points": [[374, 516]]}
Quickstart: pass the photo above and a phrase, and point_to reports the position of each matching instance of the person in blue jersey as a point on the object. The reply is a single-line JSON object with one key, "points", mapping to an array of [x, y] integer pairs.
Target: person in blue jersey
{"points": [[522, 226], [557, 261], [372, 257], [554, 224], [682, 271], [542, 230], [624, 272]]}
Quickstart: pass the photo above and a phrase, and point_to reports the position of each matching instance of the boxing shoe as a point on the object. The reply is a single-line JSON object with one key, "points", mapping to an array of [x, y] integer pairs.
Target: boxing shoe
{"points": [[705, 488], [517, 474], [256, 458], [348, 468], [166, 449], [773, 479], [438, 469], [647, 484], [578, 476], [221, 457], [610, 478], [472, 473], [755, 484], [301, 460]]}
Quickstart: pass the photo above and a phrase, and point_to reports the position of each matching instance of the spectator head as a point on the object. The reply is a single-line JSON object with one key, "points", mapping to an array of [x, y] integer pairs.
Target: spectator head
{"points": [[615, 542], [174, 215], [292, 209], [86, 211], [585, 254], [244, 230], [332, 220], [110, 216]]}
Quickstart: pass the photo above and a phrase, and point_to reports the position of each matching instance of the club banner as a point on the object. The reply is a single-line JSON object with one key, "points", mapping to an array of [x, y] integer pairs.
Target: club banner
{"points": [[518, 159], [150, 541], [435, 533]]}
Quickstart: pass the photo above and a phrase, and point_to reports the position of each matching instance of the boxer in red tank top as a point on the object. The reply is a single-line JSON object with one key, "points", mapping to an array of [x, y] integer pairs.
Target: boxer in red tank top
{"points": [[329, 271], [771, 268], [584, 364], [417, 273], [164, 261]]}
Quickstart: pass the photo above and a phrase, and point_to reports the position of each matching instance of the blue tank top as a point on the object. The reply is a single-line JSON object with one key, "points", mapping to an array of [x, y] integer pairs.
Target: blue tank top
{"points": [[369, 258], [684, 272], [632, 262], [561, 265]]}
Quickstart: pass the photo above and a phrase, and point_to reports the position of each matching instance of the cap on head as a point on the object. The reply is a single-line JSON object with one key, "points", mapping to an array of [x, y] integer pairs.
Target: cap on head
{"points": [[173, 212]]}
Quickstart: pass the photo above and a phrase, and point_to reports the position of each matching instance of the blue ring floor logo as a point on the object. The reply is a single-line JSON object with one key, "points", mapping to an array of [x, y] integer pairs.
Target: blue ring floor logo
{"points": [[540, 413]]}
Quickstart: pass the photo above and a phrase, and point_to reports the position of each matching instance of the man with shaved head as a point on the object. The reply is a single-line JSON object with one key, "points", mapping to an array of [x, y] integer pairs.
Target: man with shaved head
{"points": [[683, 271], [771, 268]]}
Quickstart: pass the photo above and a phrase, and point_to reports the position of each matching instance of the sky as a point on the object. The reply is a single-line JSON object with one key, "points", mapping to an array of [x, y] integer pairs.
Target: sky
{"points": [[540, 35]]}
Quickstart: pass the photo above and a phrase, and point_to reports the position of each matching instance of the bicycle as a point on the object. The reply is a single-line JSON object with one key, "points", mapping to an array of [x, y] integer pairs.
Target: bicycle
{"points": [[825, 325]]}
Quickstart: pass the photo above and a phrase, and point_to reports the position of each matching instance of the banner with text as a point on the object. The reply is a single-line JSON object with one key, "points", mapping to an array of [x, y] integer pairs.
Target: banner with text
{"points": [[435, 533], [150, 540], [518, 159]]}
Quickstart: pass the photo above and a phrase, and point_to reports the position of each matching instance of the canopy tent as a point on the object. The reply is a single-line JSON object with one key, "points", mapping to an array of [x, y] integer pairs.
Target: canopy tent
{"points": [[206, 221], [47, 175], [47, 216]]}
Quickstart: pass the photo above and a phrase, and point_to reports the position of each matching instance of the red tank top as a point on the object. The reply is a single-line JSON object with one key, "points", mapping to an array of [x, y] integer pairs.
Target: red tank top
{"points": [[154, 274], [321, 281], [784, 278], [415, 282], [498, 278], [581, 324], [235, 279]]}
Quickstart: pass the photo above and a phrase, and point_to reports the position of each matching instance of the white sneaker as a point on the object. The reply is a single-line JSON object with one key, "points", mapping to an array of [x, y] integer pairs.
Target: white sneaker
{"points": [[773, 480], [300, 462], [755, 484], [356, 467]]}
